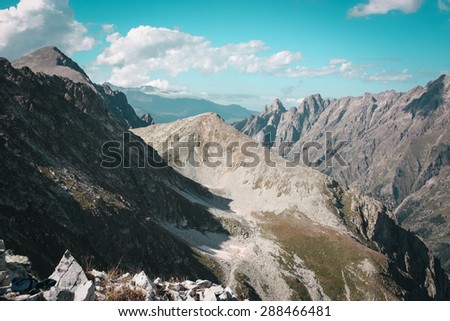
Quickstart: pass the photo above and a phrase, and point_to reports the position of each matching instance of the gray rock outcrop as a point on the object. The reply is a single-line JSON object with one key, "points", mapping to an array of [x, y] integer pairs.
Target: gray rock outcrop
{"points": [[69, 275]]}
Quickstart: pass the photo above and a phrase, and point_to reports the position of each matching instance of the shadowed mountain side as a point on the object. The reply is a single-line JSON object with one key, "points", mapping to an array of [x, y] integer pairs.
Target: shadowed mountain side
{"points": [[55, 195]]}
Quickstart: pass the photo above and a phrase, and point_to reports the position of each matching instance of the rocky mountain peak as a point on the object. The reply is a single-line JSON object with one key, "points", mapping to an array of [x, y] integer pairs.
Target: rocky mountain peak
{"points": [[52, 61], [442, 84], [277, 105], [148, 119], [313, 104]]}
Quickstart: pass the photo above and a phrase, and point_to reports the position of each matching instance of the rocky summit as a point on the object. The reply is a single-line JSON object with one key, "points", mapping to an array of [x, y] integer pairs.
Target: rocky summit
{"points": [[396, 146], [51, 61]]}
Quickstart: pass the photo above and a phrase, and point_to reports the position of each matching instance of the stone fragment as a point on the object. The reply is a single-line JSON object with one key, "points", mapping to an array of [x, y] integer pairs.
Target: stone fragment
{"points": [[141, 280], [85, 292]]}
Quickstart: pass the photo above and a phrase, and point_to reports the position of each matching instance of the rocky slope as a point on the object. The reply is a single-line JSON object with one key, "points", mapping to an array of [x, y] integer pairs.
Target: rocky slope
{"points": [[54, 193], [51, 61], [396, 146], [69, 282], [307, 236]]}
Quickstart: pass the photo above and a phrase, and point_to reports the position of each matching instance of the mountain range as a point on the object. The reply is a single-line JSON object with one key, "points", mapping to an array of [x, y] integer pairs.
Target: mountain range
{"points": [[165, 108], [268, 230], [395, 146]]}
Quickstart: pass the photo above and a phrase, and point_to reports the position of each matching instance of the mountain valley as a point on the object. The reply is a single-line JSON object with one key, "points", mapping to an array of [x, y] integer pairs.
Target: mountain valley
{"points": [[205, 201]]}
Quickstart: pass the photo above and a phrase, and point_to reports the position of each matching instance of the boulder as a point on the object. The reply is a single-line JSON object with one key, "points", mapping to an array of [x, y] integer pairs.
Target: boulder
{"points": [[98, 274], [57, 294], [175, 296], [217, 289], [188, 285], [225, 296], [231, 294], [142, 281], [17, 259], [204, 283], [68, 274], [17, 266], [189, 298], [208, 295]]}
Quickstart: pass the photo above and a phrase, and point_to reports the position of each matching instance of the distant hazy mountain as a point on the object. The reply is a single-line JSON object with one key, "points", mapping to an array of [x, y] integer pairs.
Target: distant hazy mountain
{"points": [[166, 109], [397, 148], [51, 61]]}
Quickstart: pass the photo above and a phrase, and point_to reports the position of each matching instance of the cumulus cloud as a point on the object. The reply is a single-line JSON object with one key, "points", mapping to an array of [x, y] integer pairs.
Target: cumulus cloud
{"points": [[289, 101], [161, 84], [108, 27], [384, 6], [175, 52], [444, 5], [334, 66], [389, 76], [146, 49], [36, 23]]}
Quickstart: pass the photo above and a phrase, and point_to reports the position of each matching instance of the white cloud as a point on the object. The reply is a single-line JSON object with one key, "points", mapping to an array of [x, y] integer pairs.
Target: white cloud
{"points": [[444, 5], [174, 52], [160, 84], [108, 27], [147, 49], [292, 101], [384, 6], [389, 76], [334, 66], [36, 23]]}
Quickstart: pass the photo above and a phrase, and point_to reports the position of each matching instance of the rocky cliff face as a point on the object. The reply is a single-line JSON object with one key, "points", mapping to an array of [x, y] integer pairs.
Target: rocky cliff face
{"points": [[55, 195], [276, 126], [323, 241], [396, 146]]}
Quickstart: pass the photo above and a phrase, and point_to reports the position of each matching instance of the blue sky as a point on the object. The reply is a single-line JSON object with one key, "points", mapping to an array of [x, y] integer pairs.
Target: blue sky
{"points": [[246, 52]]}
